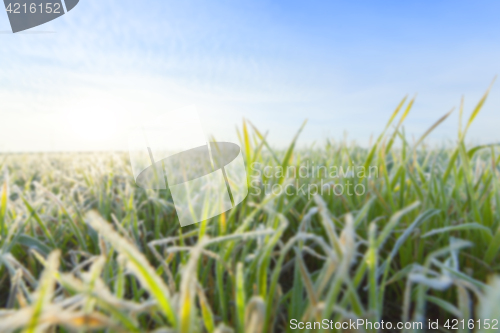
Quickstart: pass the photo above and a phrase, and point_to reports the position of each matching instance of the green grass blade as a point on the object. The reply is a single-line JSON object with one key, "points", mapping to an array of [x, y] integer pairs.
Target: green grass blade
{"points": [[138, 264], [477, 109], [240, 297], [3, 209], [432, 128], [493, 248], [461, 227], [45, 292]]}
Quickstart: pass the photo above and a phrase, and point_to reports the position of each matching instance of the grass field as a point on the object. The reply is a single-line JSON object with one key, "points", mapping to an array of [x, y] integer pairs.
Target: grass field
{"points": [[82, 248]]}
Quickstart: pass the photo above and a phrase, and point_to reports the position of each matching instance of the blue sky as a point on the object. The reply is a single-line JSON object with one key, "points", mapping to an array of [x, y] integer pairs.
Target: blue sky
{"points": [[79, 82]]}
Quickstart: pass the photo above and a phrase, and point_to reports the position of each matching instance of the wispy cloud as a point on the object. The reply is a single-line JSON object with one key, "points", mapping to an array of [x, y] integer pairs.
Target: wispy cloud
{"points": [[343, 66]]}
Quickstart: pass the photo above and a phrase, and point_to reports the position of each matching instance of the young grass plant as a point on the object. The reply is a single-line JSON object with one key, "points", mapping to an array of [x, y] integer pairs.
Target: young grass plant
{"points": [[83, 249]]}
